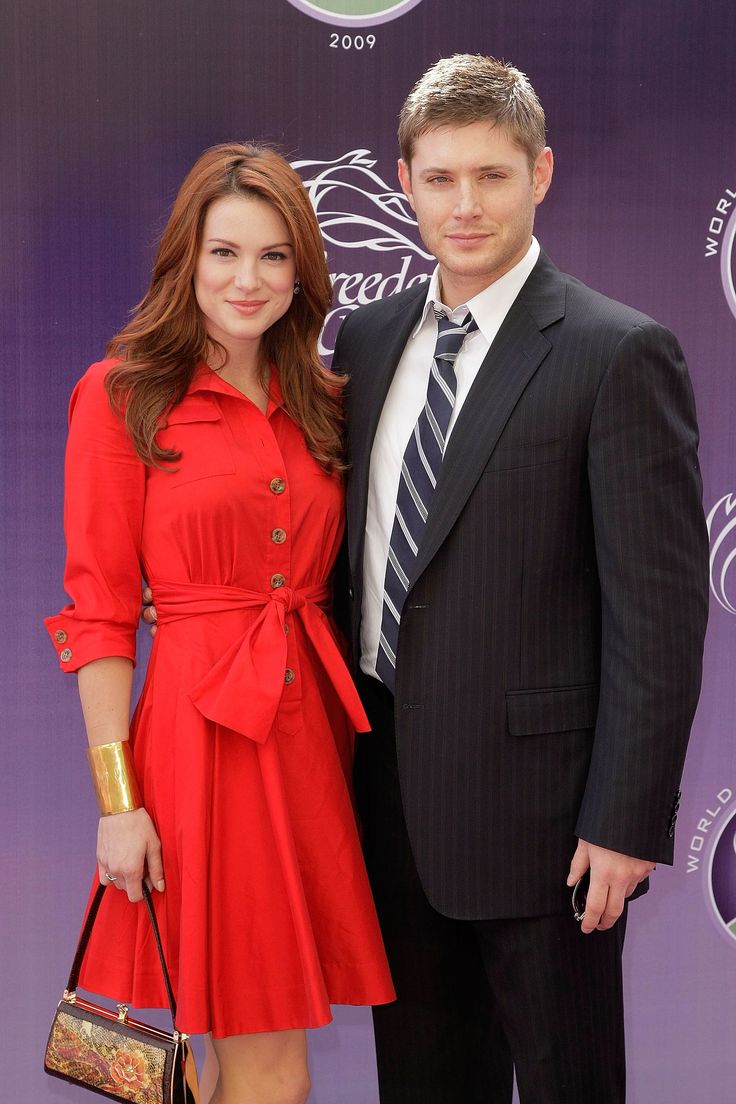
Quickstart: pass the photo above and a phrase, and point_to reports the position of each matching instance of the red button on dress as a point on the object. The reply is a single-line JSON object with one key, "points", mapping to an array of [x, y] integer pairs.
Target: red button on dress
{"points": [[267, 917]]}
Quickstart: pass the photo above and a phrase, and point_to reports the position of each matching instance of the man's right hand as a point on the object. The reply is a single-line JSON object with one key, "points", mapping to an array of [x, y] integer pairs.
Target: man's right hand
{"points": [[148, 613]]}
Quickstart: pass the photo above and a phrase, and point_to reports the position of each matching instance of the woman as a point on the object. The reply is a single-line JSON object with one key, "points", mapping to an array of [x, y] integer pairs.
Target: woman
{"points": [[205, 456]]}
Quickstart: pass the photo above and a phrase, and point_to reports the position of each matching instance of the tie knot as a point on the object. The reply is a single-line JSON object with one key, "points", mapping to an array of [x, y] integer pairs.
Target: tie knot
{"points": [[451, 335], [445, 325]]}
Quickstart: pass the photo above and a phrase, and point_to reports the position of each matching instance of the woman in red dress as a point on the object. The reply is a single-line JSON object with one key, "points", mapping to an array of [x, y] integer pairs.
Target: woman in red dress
{"points": [[205, 458]]}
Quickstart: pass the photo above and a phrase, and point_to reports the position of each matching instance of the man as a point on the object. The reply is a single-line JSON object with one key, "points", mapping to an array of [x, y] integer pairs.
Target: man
{"points": [[528, 562]]}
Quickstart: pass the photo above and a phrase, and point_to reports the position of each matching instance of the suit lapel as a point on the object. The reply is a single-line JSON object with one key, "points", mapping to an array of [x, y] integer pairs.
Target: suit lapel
{"points": [[516, 354], [366, 407]]}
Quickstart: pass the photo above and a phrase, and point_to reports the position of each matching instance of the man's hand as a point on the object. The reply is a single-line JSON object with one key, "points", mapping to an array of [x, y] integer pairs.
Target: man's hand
{"points": [[613, 878], [149, 611]]}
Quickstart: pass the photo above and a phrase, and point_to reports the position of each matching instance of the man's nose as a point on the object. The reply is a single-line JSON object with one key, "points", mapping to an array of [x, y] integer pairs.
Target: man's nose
{"points": [[468, 204]]}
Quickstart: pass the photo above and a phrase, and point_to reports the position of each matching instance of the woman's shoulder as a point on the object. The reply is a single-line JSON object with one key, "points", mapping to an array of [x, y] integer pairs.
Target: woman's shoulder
{"points": [[90, 393], [98, 372]]}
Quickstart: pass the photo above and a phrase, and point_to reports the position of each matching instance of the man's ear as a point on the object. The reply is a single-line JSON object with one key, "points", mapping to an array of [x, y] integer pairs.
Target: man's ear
{"points": [[405, 181], [542, 174]]}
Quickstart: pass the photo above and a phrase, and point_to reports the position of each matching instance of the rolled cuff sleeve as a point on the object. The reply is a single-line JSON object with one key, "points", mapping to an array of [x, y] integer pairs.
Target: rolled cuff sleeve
{"points": [[103, 520], [79, 642]]}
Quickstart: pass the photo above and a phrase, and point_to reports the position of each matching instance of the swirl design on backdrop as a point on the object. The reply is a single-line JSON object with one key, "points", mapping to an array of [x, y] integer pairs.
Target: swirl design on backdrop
{"points": [[356, 208], [727, 265], [721, 522]]}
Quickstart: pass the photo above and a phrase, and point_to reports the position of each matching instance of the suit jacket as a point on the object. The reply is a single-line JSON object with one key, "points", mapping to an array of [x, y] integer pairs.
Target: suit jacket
{"points": [[550, 649]]}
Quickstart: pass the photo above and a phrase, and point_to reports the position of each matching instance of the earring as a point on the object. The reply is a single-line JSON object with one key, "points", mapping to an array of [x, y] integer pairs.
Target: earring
{"points": [[297, 287]]}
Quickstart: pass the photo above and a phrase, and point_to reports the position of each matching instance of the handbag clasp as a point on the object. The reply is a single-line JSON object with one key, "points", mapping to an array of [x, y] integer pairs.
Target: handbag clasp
{"points": [[122, 1013]]}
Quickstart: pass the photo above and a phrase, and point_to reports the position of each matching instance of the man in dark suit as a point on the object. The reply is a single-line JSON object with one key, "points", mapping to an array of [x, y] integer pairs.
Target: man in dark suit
{"points": [[529, 602]]}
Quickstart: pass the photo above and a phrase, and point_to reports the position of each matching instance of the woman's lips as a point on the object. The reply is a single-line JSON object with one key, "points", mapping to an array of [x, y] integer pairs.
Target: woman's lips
{"points": [[247, 306]]}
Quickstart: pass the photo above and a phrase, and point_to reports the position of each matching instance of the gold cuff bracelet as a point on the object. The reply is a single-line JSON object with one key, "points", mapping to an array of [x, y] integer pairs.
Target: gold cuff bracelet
{"points": [[114, 778]]}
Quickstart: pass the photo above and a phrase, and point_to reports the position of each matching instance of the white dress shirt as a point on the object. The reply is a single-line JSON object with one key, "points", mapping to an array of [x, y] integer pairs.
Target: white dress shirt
{"points": [[404, 403]]}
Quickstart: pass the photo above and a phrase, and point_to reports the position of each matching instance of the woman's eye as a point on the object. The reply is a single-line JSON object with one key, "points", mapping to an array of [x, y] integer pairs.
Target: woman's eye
{"points": [[222, 251], [274, 255]]}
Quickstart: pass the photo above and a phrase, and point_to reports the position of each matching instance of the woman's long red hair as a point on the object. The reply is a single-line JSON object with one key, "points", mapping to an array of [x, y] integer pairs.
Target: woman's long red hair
{"points": [[166, 338]]}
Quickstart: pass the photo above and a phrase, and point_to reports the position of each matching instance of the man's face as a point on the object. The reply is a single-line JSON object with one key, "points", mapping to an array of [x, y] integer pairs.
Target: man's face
{"points": [[474, 195]]}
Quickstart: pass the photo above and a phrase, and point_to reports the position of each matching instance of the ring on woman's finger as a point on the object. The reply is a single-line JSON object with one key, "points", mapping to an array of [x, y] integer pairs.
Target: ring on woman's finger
{"points": [[110, 877]]}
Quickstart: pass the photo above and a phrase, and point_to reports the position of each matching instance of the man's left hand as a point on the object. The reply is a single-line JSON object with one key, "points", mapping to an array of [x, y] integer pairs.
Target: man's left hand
{"points": [[613, 878]]}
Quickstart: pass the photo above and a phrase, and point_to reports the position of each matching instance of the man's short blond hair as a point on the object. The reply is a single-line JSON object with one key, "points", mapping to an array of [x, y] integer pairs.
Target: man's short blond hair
{"points": [[468, 88]]}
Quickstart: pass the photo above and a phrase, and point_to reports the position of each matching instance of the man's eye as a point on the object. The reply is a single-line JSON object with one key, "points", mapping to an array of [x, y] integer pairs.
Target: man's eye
{"points": [[437, 179]]}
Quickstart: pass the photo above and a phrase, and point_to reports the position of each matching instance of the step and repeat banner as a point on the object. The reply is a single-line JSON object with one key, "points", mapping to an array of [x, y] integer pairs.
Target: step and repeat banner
{"points": [[105, 105]]}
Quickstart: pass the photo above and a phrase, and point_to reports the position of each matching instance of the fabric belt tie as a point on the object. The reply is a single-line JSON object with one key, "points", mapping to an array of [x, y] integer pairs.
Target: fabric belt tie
{"points": [[244, 688]]}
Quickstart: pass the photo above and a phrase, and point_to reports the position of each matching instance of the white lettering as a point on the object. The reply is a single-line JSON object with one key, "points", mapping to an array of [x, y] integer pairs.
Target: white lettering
{"points": [[722, 206], [369, 282], [716, 225], [399, 277], [693, 863], [696, 843], [347, 282], [725, 795], [703, 824], [711, 247]]}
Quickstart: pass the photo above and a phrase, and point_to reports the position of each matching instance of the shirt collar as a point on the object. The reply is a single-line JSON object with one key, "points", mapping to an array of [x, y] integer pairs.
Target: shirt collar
{"points": [[485, 306], [206, 379]]}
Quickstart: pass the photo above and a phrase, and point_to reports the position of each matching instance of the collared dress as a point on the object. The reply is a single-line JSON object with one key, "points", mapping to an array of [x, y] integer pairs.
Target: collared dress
{"points": [[243, 733]]}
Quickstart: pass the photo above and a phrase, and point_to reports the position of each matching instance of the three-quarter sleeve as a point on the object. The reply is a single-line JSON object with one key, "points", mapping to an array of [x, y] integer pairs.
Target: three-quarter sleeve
{"points": [[103, 518]]}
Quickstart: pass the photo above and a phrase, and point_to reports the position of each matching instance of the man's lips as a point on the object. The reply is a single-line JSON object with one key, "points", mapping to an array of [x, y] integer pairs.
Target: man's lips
{"points": [[469, 238]]}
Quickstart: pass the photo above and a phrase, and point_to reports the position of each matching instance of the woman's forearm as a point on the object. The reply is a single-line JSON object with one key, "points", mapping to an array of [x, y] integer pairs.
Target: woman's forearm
{"points": [[105, 687]]}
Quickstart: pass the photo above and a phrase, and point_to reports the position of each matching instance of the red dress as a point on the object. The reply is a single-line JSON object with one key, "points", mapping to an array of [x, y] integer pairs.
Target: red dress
{"points": [[243, 733]]}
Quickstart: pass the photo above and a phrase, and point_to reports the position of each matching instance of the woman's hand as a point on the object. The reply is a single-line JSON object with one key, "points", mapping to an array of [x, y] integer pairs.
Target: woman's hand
{"points": [[128, 847]]}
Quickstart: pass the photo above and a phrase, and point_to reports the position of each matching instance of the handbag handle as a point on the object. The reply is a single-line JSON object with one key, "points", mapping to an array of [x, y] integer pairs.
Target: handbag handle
{"points": [[87, 932]]}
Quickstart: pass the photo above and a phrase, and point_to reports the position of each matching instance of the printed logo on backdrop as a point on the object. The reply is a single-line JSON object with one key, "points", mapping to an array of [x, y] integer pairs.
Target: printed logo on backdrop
{"points": [[721, 522], [370, 233], [719, 243], [354, 13], [712, 855]]}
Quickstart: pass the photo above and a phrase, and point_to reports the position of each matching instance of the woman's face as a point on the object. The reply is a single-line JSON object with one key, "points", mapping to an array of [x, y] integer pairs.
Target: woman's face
{"points": [[245, 273]]}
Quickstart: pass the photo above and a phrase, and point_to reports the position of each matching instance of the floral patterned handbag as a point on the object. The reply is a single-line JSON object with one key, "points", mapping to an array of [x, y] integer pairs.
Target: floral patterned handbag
{"points": [[112, 1054]]}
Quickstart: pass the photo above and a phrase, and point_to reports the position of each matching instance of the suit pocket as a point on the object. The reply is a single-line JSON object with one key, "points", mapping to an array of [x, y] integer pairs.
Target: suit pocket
{"points": [[563, 709], [527, 455], [196, 429]]}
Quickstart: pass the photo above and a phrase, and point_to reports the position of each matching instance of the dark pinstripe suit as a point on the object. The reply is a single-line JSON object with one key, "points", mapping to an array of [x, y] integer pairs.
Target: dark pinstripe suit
{"points": [[550, 647]]}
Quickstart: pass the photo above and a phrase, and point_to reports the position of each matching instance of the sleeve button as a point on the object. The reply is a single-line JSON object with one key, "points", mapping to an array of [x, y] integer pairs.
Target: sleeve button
{"points": [[60, 636], [66, 655]]}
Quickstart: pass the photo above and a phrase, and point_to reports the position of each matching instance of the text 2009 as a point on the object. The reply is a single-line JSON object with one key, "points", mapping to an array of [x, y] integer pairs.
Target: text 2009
{"points": [[352, 42]]}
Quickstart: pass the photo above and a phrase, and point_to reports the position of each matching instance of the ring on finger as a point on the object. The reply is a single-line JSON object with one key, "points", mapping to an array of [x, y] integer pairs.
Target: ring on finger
{"points": [[110, 877]]}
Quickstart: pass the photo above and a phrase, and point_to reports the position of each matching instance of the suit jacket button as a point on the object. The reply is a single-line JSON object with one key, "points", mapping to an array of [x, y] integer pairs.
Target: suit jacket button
{"points": [[351, 593]]}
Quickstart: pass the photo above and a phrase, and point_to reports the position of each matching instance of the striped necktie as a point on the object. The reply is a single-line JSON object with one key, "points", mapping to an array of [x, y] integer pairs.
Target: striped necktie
{"points": [[420, 470]]}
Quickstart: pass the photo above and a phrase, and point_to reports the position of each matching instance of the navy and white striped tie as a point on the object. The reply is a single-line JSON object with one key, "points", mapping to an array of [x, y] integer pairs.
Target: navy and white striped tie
{"points": [[420, 469]]}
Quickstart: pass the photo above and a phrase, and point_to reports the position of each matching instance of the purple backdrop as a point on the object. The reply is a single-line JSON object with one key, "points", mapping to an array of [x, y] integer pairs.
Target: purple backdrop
{"points": [[105, 107]]}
